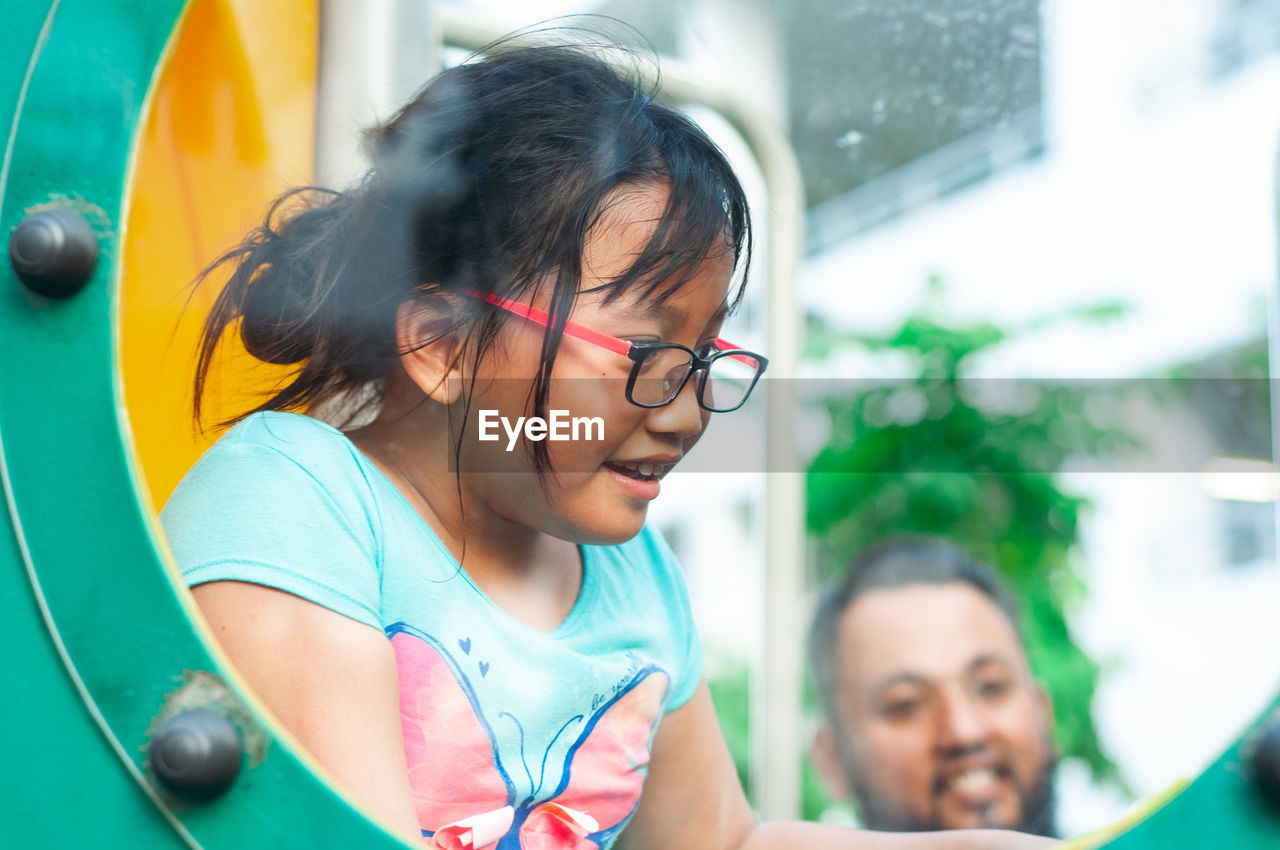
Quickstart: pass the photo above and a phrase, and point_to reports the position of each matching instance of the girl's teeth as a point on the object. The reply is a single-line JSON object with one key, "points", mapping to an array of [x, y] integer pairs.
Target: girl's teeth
{"points": [[645, 470]]}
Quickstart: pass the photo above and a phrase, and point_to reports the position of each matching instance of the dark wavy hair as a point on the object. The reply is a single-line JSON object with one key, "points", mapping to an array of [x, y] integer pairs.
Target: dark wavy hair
{"points": [[488, 180]]}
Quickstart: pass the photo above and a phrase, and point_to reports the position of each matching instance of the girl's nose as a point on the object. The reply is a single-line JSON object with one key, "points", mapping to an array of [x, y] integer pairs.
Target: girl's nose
{"points": [[683, 417]]}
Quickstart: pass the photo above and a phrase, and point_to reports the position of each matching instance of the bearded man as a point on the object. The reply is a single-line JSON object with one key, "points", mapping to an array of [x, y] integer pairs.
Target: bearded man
{"points": [[933, 719]]}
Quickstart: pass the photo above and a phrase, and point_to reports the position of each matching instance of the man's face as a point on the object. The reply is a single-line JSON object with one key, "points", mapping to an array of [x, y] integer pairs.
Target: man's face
{"points": [[944, 728]]}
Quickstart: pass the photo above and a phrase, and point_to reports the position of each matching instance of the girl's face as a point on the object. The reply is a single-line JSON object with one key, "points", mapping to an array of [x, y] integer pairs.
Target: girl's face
{"points": [[608, 468]]}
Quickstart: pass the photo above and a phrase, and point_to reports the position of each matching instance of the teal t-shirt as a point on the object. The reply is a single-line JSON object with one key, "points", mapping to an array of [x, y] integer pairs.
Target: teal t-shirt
{"points": [[523, 732]]}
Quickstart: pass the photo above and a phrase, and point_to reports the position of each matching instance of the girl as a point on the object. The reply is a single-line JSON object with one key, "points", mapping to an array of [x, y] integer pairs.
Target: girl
{"points": [[469, 625]]}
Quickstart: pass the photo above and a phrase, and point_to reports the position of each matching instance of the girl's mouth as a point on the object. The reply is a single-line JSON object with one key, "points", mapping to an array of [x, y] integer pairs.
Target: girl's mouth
{"points": [[640, 471], [638, 480]]}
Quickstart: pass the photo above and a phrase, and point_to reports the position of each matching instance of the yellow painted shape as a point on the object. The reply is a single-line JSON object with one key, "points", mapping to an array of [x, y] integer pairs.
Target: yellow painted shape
{"points": [[232, 125]]}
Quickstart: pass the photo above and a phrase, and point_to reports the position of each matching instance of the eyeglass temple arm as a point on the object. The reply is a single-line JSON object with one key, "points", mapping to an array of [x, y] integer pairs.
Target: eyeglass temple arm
{"points": [[612, 343], [542, 317], [749, 360]]}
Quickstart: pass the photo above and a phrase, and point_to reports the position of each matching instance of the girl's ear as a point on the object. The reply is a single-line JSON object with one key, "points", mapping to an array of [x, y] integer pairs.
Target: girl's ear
{"points": [[430, 351]]}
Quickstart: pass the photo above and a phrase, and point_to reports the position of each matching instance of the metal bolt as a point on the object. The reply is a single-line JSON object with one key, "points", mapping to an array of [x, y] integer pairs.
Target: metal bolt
{"points": [[197, 753], [54, 252]]}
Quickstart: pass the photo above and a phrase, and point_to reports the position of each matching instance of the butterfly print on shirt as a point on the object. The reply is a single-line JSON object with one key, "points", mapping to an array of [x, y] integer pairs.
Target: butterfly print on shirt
{"points": [[464, 790]]}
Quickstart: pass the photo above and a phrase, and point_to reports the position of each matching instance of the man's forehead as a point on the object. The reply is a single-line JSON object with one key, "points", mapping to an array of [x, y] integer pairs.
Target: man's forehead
{"points": [[925, 631]]}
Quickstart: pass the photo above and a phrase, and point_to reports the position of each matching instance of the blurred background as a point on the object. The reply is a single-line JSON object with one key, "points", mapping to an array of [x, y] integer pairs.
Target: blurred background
{"points": [[1036, 304]]}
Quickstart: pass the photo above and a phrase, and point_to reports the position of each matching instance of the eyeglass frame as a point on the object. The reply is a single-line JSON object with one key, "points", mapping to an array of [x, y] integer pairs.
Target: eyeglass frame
{"points": [[638, 351]]}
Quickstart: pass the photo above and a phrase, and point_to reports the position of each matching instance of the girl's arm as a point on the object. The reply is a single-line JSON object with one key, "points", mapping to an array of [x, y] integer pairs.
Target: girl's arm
{"points": [[692, 799], [329, 680]]}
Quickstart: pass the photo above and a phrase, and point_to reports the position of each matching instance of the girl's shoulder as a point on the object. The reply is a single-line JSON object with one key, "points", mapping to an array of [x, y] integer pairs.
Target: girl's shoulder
{"points": [[280, 501], [272, 459], [289, 433], [274, 441]]}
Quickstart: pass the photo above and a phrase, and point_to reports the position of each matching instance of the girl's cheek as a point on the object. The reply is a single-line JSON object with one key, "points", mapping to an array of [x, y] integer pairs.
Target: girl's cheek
{"points": [[590, 396]]}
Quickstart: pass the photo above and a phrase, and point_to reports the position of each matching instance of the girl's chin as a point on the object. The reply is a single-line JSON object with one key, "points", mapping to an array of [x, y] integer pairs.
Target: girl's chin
{"points": [[610, 527]]}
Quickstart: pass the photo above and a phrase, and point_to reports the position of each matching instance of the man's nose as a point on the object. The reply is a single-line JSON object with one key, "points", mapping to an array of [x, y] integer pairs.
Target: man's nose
{"points": [[962, 721]]}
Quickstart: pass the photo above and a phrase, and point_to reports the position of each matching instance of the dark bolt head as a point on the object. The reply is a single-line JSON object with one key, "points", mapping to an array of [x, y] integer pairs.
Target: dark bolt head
{"points": [[54, 252], [1266, 762], [196, 754]]}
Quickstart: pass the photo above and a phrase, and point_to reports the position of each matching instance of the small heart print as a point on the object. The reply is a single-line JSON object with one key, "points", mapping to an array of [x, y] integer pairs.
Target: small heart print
{"points": [[465, 646], [484, 669]]}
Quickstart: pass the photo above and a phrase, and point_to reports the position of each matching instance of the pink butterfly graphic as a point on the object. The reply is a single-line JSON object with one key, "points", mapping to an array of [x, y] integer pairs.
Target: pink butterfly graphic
{"points": [[465, 796]]}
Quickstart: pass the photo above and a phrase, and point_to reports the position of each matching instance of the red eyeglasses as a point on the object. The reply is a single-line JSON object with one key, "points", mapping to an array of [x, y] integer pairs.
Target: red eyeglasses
{"points": [[659, 370]]}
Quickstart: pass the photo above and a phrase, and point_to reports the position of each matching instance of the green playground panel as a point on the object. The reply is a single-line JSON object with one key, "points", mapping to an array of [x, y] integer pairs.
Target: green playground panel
{"points": [[101, 647], [103, 642]]}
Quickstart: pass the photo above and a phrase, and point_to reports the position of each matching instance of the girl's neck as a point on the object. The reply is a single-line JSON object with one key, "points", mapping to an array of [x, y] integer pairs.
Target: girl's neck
{"points": [[534, 576], [424, 471]]}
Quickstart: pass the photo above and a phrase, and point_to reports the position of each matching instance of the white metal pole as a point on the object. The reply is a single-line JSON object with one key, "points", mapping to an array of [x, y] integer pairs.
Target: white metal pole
{"points": [[373, 55], [1273, 349]]}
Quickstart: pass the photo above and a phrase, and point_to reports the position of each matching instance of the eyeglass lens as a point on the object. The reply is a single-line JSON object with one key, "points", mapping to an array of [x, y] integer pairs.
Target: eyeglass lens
{"points": [[660, 376], [728, 381], [664, 370]]}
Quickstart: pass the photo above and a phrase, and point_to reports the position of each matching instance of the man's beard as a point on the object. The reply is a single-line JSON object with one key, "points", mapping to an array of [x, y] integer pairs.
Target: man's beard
{"points": [[1036, 804]]}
